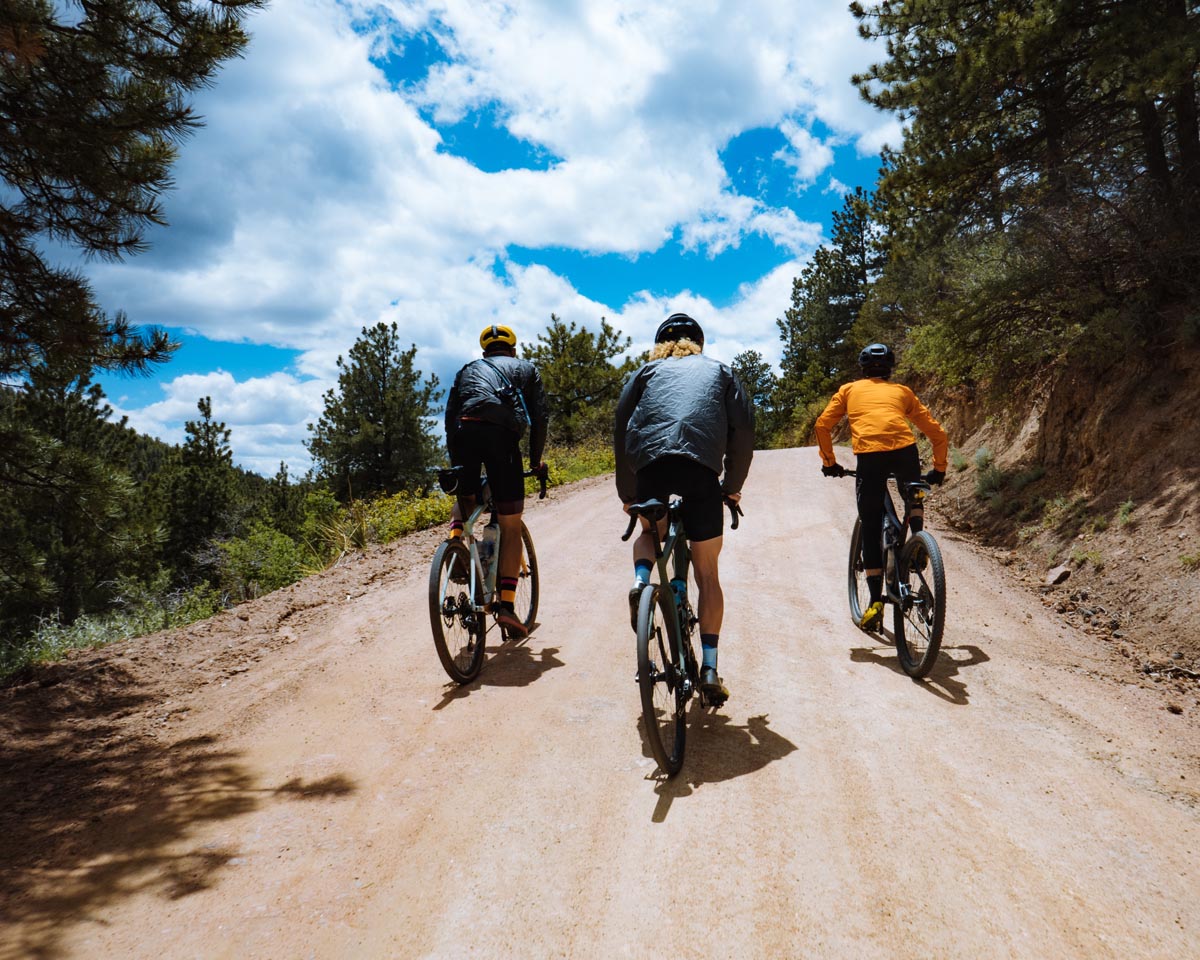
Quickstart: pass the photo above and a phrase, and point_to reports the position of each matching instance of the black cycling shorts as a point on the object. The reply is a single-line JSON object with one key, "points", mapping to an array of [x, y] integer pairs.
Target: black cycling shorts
{"points": [[498, 451], [700, 487]]}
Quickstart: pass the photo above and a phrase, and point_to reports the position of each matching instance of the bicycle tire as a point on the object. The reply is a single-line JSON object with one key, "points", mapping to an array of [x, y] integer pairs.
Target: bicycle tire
{"points": [[528, 591], [919, 625], [458, 629], [859, 592], [660, 679]]}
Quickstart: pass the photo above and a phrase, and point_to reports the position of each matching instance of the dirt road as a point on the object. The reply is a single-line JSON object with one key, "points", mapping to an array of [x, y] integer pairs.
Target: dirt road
{"points": [[318, 790]]}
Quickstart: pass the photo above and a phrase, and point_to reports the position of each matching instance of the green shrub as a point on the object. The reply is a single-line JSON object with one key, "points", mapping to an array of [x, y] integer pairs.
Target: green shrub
{"points": [[140, 612], [983, 458], [957, 460], [1190, 561], [260, 562], [988, 482], [1124, 513]]}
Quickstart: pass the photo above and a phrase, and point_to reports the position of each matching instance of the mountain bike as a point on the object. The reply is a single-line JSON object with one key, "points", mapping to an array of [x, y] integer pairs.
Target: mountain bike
{"points": [[463, 584], [914, 580], [668, 674]]}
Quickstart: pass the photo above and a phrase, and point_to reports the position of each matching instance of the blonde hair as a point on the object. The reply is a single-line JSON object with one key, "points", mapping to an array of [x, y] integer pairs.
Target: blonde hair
{"points": [[675, 348]]}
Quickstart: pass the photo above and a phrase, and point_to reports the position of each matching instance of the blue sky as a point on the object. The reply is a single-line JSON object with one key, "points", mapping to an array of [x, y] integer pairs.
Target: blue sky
{"points": [[446, 164]]}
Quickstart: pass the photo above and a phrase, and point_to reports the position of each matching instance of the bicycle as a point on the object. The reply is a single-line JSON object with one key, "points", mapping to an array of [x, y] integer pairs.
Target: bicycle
{"points": [[668, 674], [463, 585], [914, 580]]}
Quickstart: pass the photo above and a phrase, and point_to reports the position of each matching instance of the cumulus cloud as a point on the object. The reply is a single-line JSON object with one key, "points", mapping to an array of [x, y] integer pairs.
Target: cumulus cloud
{"points": [[320, 197]]}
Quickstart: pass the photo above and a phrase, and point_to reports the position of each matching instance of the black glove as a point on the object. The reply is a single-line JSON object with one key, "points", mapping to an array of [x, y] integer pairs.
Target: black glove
{"points": [[835, 470], [935, 477]]}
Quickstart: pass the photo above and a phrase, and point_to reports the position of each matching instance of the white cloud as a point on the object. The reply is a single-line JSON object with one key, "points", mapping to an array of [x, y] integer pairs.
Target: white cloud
{"points": [[805, 154], [316, 200], [266, 416]]}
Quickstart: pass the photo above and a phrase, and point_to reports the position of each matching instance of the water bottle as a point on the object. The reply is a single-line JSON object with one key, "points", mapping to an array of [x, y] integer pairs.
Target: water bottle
{"points": [[487, 547], [680, 588]]}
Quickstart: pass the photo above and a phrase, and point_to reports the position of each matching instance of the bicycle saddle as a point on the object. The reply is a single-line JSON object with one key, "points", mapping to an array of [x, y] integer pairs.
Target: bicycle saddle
{"points": [[650, 509]]}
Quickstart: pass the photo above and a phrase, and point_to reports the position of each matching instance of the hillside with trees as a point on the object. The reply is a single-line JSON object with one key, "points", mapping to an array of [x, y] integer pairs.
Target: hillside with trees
{"points": [[1030, 249]]}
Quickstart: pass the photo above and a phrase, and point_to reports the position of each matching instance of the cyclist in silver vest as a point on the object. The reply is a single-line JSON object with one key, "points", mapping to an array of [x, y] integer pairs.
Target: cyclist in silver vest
{"points": [[682, 419]]}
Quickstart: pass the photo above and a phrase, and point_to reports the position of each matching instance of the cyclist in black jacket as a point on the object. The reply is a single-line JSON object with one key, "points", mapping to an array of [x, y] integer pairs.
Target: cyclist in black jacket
{"points": [[682, 420], [482, 430]]}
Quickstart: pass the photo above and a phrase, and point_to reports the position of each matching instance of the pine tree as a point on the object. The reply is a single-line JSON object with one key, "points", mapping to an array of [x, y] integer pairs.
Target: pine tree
{"points": [[94, 104], [375, 435], [759, 382], [200, 495], [73, 516], [581, 380]]}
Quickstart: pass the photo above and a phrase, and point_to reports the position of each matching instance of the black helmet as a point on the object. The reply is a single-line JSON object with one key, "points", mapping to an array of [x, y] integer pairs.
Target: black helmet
{"points": [[877, 360], [679, 326]]}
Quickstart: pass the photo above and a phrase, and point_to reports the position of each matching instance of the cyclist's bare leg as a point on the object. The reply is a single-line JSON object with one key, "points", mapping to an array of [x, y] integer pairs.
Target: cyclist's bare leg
{"points": [[710, 604], [508, 570], [510, 544], [643, 546], [463, 507]]}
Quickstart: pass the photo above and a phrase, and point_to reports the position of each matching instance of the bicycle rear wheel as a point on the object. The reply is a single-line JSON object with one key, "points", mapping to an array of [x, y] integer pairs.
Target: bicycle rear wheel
{"points": [[660, 679], [526, 603], [919, 624], [859, 593], [458, 629]]}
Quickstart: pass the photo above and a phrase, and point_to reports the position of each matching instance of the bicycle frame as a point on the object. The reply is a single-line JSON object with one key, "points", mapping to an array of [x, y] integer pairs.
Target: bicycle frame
{"points": [[892, 524], [487, 580]]}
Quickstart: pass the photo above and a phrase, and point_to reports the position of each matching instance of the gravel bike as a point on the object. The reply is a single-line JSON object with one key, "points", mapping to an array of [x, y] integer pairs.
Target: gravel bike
{"points": [[668, 673], [914, 580], [463, 583]]}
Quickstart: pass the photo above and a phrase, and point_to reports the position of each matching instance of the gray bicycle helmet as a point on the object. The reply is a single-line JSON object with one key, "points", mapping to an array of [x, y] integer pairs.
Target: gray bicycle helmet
{"points": [[877, 360], [679, 326]]}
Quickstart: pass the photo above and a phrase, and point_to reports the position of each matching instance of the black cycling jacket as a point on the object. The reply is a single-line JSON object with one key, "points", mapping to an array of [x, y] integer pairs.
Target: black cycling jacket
{"points": [[688, 406], [476, 395]]}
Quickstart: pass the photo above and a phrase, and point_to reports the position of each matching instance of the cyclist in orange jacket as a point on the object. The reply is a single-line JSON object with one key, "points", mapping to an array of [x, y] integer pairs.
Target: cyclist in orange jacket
{"points": [[884, 444]]}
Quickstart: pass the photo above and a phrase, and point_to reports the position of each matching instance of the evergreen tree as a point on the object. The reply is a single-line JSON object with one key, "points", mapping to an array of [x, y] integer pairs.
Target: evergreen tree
{"points": [[94, 104], [759, 381], [827, 299], [1049, 180], [581, 380], [72, 516], [375, 435], [200, 494]]}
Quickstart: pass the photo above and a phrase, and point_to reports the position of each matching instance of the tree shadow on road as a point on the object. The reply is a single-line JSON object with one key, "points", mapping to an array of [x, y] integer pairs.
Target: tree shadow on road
{"points": [[941, 680], [511, 664], [97, 810], [717, 749]]}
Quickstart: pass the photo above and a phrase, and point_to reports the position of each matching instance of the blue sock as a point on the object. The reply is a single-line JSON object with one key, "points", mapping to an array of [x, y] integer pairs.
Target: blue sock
{"points": [[641, 570], [708, 646]]}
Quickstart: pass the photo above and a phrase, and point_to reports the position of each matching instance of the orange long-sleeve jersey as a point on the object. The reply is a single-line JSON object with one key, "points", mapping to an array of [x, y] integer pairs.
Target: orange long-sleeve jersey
{"points": [[879, 415]]}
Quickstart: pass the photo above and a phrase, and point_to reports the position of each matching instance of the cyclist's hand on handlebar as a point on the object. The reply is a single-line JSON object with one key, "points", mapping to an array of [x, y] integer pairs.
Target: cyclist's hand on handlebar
{"points": [[834, 470], [935, 477]]}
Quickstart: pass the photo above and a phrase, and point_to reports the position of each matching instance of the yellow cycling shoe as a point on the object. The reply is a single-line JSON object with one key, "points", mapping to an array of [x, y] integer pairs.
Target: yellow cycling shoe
{"points": [[872, 619]]}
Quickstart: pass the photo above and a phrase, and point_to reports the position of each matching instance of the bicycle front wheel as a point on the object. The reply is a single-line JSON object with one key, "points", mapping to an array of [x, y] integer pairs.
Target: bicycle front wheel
{"points": [[458, 628], [859, 592], [920, 621], [526, 603], [661, 678]]}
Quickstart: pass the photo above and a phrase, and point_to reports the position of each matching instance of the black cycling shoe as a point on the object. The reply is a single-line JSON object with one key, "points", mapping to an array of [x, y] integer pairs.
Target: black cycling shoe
{"points": [[711, 687], [635, 599]]}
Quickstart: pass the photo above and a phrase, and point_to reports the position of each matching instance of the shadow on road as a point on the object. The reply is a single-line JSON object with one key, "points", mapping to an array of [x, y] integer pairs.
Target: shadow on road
{"points": [[95, 811], [941, 680], [717, 749], [512, 664]]}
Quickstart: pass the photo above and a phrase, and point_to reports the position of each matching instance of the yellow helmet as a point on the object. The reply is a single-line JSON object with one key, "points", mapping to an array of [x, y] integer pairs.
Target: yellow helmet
{"points": [[497, 334]]}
